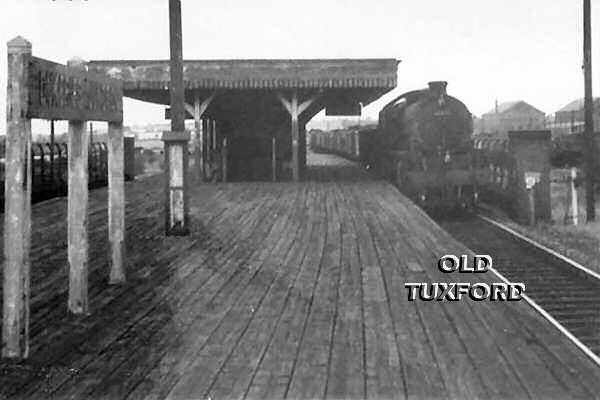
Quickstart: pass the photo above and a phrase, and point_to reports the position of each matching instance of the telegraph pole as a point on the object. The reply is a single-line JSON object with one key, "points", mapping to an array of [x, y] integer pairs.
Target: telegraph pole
{"points": [[176, 140], [590, 145]]}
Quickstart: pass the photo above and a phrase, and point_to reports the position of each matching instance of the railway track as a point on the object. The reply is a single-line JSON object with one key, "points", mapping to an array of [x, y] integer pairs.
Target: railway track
{"points": [[564, 292]]}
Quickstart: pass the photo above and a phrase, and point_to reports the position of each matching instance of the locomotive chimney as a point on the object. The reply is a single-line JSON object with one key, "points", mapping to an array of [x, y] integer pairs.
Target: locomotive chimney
{"points": [[438, 87]]}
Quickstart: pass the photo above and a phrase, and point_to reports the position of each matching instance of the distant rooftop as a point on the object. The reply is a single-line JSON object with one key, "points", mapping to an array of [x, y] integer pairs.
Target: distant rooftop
{"points": [[577, 105], [509, 105]]}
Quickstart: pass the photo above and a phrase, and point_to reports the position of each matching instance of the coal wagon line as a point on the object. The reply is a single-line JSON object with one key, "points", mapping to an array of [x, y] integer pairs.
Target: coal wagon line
{"points": [[49, 165]]}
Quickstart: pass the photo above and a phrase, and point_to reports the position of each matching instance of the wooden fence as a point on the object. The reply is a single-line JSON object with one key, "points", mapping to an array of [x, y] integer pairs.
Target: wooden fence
{"points": [[500, 188], [519, 173]]}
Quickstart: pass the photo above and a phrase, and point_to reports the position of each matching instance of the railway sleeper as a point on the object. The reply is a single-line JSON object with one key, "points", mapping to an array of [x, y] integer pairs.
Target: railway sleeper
{"points": [[590, 340], [583, 325], [570, 306], [564, 283], [574, 315], [554, 295]]}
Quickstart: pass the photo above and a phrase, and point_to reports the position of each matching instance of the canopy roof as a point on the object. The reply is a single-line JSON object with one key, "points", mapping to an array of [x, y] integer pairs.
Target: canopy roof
{"points": [[367, 78], [256, 74]]}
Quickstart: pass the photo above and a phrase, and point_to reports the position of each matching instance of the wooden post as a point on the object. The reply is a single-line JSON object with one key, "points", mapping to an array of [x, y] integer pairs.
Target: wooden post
{"points": [[176, 154], [295, 111], [302, 151], [213, 158], [199, 160], [274, 158], [116, 202], [176, 140], [204, 148], [77, 217], [214, 133], [17, 205], [224, 160], [77, 188], [209, 126], [26, 223], [531, 153], [590, 144], [295, 135], [52, 171], [574, 200], [531, 195], [199, 126], [208, 148]]}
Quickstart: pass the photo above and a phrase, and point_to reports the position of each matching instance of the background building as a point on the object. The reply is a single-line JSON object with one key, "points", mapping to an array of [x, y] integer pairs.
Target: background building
{"points": [[512, 115], [570, 118]]}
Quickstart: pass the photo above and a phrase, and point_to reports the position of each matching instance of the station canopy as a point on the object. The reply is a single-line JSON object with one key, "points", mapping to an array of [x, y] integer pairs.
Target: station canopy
{"points": [[249, 89]]}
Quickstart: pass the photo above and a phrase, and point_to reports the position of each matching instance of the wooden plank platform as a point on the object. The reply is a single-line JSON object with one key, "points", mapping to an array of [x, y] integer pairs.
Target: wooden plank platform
{"points": [[282, 290]]}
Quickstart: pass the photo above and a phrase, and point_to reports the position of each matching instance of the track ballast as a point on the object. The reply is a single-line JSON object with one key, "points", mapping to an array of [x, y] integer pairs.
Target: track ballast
{"points": [[568, 294]]}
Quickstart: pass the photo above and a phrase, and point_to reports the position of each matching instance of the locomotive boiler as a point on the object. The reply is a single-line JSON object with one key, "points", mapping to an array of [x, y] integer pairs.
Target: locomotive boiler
{"points": [[423, 143]]}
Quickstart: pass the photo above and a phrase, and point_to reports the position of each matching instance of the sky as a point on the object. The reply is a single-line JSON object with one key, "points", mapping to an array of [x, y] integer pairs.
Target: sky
{"points": [[487, 50]]}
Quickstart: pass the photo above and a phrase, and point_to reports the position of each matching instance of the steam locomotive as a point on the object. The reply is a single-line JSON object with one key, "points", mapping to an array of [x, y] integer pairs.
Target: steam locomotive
{"points": [[422, 143]]}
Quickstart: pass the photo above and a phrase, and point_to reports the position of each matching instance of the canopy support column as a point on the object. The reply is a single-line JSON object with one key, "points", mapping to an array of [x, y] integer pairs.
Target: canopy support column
{"points": [[295, 111], [198, 111]]}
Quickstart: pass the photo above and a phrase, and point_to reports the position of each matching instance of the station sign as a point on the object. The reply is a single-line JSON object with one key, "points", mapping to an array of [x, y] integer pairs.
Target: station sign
{"points": [[59, 92]]}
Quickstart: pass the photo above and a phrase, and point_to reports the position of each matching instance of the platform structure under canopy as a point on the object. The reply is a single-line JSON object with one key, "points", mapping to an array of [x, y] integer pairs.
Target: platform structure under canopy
{"points": [[258, 108]]}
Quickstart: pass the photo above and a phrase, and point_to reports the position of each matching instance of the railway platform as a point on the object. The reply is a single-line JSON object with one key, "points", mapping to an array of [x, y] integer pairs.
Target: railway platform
{"points": [[282, 290]]}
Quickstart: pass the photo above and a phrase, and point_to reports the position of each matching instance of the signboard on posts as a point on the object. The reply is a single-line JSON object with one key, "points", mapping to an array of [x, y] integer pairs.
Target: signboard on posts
{"points": [[59, 92]]}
